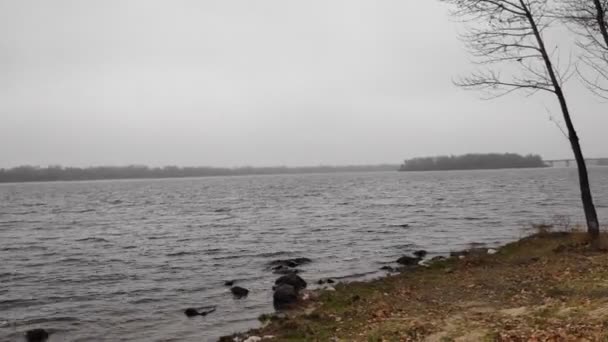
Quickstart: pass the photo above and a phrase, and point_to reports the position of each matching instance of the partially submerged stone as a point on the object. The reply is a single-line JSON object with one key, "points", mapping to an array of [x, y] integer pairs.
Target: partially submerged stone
{"points": [[36, 335], [292, 279], [239, 292]]}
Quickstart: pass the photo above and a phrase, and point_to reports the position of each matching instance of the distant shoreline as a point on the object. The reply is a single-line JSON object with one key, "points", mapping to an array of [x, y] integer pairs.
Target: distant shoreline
{"points": [[474, 161], [478, 168], [31, 174]]}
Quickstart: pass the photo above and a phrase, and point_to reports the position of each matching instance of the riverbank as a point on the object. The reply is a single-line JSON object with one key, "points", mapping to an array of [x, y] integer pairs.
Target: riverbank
{"points": [[546, 287]]}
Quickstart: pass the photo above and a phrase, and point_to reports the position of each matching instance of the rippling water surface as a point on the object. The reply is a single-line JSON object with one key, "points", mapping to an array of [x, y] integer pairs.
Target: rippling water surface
{"points": [[120, 260]]}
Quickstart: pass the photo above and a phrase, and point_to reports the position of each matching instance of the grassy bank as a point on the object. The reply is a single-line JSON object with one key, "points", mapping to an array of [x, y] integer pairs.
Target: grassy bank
{"points": [[547, 287]]}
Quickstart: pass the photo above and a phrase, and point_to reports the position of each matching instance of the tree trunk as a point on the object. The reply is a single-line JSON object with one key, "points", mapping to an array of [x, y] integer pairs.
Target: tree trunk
{"points": [[601, 20], [593, 226]]}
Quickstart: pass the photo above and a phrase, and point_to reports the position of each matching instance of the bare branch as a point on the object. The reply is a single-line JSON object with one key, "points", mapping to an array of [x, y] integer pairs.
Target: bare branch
{"points": [[588, 19]]}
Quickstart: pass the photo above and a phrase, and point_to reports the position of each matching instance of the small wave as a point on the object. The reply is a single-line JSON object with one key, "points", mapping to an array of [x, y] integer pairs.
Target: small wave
{"points": [[143, 301], [92, 239], [229, 257], [17, 303], [33, 204], [273, 254], [469, 218], [23, 247], [83, 211], [402, 225], [19, 213], [180, 253], [222, 210], [72, 260], [11, 222], [49, 320], [158, 237]]}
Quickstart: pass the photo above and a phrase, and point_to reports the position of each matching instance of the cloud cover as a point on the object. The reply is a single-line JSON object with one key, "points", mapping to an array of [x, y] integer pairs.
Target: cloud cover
{"points": [[241, 82]]}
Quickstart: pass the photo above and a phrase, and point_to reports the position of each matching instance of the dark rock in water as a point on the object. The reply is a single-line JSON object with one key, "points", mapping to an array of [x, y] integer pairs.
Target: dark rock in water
{"points": [[239, 292], [190, 312], [284, 296], [408, 260], [321, 282], [282, 269], [330, 281], [292, 279], [229, 338], [302, 261], [229, 282], [459, 253], [420, 254], [295, 262], [36, 335], [387, 268]]}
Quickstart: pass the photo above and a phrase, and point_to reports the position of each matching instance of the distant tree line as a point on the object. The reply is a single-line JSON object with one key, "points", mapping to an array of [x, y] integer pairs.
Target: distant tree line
{"points": [[473, 162], [59, 173]]}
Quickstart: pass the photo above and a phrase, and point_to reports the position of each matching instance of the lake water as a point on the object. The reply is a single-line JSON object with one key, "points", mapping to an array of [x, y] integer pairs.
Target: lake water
{"points": [[121, 260]]}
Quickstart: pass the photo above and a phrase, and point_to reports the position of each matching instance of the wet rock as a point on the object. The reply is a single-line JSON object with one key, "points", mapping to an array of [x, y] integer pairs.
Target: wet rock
{"points": [[295, 262], [478, 251], [282, 269], [492, 251], [424, 263], [229, 282], [292, 279], [420, 253], [408, 261], [239, 292], [387, 268], [326, 281], [229, 338], [36, 335], [191, 312], [284, 296], [459, 254], [253, 339]]}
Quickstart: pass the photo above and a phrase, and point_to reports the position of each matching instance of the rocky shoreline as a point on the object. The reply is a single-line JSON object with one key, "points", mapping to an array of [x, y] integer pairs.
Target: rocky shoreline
{"points": [[550, 286], [290, 293]]}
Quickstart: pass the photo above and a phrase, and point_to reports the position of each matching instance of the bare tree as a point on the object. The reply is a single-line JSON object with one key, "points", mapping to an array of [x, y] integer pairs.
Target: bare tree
{"points": [[508, 35], [589, 20]]}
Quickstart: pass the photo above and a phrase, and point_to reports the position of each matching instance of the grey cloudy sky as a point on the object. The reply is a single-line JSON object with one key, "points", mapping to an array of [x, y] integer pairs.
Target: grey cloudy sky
{"points": [[254, 82]]}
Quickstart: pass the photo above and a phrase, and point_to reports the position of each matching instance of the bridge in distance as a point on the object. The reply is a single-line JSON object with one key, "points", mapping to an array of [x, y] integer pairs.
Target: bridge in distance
{"points": [[572, 162]]}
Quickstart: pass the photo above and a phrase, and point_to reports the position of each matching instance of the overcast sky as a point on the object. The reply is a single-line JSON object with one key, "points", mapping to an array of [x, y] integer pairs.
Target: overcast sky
{"points": [[254, 82]]}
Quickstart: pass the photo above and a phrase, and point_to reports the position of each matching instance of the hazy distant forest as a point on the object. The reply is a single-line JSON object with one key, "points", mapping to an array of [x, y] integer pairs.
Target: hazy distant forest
{"points": [[473, 162], [59, 173]]}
